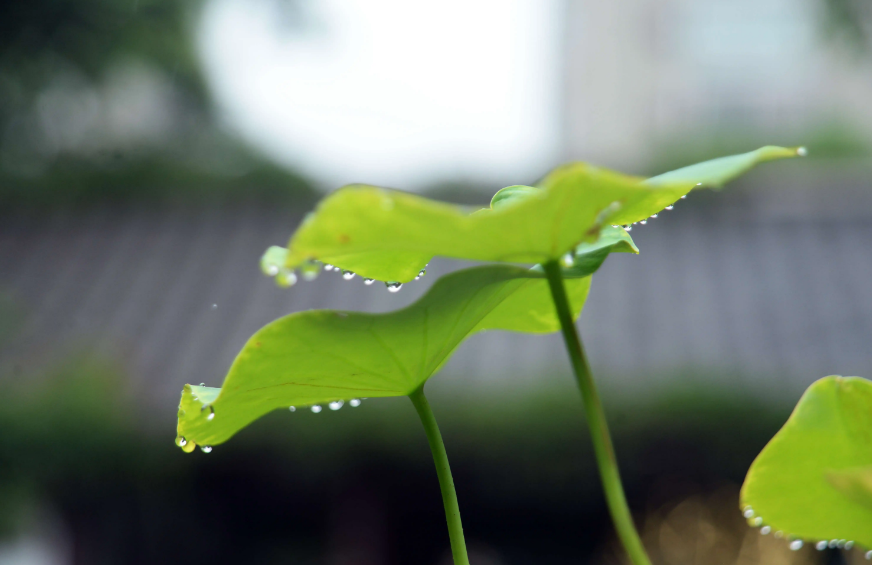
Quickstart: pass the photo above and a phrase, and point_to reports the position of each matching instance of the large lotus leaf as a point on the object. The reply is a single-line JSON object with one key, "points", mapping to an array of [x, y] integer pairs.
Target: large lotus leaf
{"points": [[319, 356], [812, 479], [390, 235]]}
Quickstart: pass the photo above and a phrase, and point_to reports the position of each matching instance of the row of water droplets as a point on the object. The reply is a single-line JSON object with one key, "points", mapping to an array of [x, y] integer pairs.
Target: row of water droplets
{"points": [[316, 408], [796, 544], [309, 271], [334, 405], [654, 216]]}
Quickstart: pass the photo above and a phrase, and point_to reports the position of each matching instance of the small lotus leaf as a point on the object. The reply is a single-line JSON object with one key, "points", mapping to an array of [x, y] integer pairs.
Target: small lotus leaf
{"points": [[812, 480]]}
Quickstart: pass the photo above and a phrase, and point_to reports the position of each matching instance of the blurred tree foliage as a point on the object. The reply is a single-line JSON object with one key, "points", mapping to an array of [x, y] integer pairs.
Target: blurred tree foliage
{"points": [[849, 22], [106, 99]]}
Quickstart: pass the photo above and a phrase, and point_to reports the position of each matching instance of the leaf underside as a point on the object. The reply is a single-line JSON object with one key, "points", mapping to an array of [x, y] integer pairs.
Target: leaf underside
{"points": [[390, 235], [319, 356], [812, 480]]}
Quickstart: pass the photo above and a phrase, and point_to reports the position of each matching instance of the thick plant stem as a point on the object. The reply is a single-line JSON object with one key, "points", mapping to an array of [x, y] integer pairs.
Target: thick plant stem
{"points": [[596, 420], [443, 471]]}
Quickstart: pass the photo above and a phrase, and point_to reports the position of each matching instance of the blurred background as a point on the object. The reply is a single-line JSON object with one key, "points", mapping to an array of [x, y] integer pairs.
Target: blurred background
{"points": [[150, 150]]}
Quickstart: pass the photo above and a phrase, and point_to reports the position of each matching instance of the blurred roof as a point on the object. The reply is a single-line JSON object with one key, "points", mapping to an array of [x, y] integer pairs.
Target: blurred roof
{"points": [[772, 285]]}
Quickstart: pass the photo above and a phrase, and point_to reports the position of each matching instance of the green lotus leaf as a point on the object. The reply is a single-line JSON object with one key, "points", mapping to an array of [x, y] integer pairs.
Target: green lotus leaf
{"points": [[322, 356], [856, 484], [812, 480], [390, 235]]}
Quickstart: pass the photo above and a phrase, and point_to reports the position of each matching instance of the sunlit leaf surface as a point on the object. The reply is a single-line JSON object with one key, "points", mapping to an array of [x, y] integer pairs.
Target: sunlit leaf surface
{"points": [[390, 235], [322, 356], [812, 479]]}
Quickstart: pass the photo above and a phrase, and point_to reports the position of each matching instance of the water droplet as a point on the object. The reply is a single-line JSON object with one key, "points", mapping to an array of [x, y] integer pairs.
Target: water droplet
{"points": [[292, 408], [869, 555], [211, 415], [206, 449], [644, 222], [316, 409], [202, 384], [841, 543], [354, 402], [286, 278], [336, 405], [654, 216], [214, 307], [833, 543], [328, 267], [849, 545], [683, 196], [796, 545], [347, 275], [310, 270], [394, 286], [765, 530], [758, 521], [628, 228], [368, 282], [422, 272], [272, 270], [801, 151], [779, 534], [182, 442], [670, 207], [568, 260], [699, 184], [821, 545], [748, 513]]}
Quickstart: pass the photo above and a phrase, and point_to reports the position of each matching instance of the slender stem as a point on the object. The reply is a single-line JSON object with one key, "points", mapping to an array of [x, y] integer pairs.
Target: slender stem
{"points": [[596, 420], [443, 471]]}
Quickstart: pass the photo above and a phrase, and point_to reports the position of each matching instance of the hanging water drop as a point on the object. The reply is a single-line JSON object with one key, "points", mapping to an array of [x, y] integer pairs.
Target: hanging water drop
{"points": [[354, 402], [211, 415], [214, 306], [779, 534], [654, 216], [849, 545], [347, 275], [336, 405], [796, 545], [841, 543], [628, 228], [670, 207], [310, 270], [821, 545], [748, 512], [765, 530], [206, 449], [757, 521], [833, 543], [286, 278], [394, 286], [683, 196], [869, 555], [568, 260], [182, 442], [292, 408], [422, 272], [316, 409], [644, 222], [272, 270], [328, 267], [368, 282], [202, 384], [801, 151]]}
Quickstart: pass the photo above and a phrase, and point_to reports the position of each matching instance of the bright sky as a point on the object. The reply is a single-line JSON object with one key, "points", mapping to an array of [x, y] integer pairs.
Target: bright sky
{"points": [[391, 92]]}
